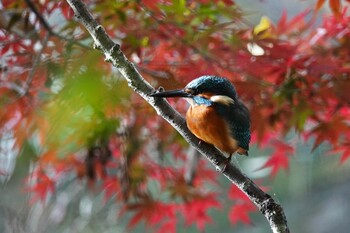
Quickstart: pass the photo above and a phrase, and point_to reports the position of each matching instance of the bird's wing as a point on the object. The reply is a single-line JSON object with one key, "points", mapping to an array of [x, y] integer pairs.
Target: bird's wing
{"points": [[242, 135], [238, 118]]}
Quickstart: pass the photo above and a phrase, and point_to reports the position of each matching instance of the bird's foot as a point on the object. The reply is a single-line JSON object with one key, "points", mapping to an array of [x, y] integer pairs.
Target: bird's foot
{"points": [[225, 163]]}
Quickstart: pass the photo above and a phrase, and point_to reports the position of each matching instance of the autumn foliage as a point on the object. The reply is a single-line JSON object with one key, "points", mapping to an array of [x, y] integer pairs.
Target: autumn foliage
{"points": [[57, 94]]}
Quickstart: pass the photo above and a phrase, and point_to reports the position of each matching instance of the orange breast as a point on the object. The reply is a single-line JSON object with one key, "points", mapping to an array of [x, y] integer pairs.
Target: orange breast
{"points": [[208, 126]]}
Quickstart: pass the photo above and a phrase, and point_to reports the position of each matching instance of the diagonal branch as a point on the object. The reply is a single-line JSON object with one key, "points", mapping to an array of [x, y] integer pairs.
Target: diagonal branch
{"points": [[272, 210]]}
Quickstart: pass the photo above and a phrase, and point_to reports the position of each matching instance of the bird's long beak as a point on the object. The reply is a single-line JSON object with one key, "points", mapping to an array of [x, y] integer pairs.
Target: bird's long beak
{"points": [[173, 93]]}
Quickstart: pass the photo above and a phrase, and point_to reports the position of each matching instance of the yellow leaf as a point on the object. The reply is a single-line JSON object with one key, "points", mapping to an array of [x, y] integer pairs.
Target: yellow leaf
{"points": [[262, 30]]}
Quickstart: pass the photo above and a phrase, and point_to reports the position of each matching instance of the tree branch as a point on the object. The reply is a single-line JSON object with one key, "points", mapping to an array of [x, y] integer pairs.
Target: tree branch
{"points": [[47, 27], [35, 65], [272, 210]]}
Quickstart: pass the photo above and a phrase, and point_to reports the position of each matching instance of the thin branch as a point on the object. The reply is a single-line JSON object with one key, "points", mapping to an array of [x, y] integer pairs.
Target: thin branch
{"points": [[48, 28], [272, 210], [22, 91], [39, 16], [36, 63], [12, 86], [191, 164], [154, 73]]}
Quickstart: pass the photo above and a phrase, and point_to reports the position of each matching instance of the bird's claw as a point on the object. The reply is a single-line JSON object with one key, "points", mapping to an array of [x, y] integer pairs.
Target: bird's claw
{"points": [[225, 164], [159, 89]]}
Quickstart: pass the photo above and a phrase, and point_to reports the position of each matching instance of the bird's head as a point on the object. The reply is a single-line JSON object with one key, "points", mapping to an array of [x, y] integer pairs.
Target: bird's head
{"points": [[204, 90]]}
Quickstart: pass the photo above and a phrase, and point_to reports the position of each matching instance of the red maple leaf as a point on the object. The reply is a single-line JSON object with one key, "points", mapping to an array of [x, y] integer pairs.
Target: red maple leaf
{"points": [[154, 213], [344, 150], [195, 211], [345, 155], [286, 27], [42, 187], [66, 10], [111, 186], [329, 130], [280, 158], [236, 194], [240, 212]]}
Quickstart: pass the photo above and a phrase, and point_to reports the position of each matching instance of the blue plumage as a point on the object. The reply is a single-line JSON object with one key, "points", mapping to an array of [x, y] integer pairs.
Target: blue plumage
{"points": [[216, 115], [201, 100], [213, 84], [236, 114]]}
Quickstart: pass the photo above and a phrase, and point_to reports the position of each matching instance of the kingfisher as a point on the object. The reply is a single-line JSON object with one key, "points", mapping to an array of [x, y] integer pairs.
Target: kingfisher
{"points": [[216, 114]]}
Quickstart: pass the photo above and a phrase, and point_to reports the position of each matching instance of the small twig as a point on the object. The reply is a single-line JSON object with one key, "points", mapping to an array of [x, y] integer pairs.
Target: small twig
{"points": [[48, 28], [22, 91], [39, 16], [154, 73], [191, 164], [267, 206], [12, 86], [36, 63]]}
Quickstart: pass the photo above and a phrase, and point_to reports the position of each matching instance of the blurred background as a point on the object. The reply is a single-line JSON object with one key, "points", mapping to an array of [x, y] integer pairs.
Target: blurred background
{"points": [[315, 194], [314, 190]]}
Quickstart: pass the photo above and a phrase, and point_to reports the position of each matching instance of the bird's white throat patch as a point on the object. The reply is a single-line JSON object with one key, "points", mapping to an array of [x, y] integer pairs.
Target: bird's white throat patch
{"points": [[222, 99]]}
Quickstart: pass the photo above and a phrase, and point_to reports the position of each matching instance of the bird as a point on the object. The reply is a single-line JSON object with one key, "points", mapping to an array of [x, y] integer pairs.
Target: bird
{"points": [[216, 115]]}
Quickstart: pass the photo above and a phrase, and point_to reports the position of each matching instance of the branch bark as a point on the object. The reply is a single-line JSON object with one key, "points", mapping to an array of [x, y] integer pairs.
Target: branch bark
{"points": [[268, 207]]}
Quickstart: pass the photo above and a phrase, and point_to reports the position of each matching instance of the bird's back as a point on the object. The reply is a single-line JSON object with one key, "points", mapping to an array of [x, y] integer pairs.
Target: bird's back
{"points": [[238, 118]]}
